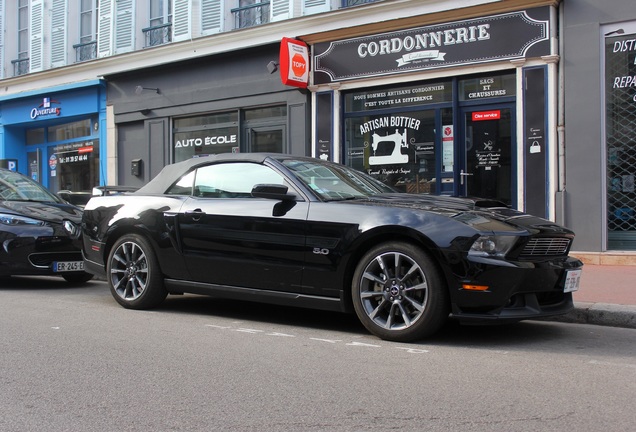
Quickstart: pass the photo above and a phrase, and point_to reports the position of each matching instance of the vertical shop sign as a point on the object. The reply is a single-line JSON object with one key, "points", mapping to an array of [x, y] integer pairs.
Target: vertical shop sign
{"points": [[324, 129], [535, 143]]}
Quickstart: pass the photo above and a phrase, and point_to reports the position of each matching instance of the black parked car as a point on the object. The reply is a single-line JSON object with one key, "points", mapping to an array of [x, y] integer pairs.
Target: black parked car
{"points": [[39, 232], [306, 232]]}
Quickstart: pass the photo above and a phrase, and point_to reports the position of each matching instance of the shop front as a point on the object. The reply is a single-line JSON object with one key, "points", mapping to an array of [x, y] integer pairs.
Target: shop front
{"points": [[55, 137], [460, 108], [229, 103]]}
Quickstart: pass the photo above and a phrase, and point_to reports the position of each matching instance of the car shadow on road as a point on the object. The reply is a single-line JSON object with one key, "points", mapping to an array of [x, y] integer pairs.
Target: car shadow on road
{"points": [[452, 334], [33, 283]]}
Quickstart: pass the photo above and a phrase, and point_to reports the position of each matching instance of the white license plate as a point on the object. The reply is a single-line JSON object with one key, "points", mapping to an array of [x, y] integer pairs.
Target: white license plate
{"points": [[572, 281], [68, 266]]}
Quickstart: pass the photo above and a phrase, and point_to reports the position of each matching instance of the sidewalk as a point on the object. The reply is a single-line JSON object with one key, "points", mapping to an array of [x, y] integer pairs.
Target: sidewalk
{"points": [[607, 296]]}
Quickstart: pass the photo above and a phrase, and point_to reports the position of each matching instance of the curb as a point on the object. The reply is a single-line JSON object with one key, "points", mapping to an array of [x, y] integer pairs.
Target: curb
{"points": [[604, 314]]}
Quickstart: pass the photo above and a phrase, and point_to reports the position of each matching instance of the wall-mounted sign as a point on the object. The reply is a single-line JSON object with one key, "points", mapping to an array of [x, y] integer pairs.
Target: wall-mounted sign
{"points": [[48, 107], [10, 164], [412, 95], [494, 38], [486, 115], [294, 63]]}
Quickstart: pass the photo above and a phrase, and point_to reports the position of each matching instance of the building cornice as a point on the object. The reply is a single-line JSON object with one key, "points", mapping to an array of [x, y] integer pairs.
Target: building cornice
{"points": [[348, 22]]}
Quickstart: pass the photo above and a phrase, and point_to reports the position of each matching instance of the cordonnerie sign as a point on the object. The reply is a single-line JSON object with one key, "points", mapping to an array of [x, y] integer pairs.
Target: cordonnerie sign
{"points": [[499, 37]]}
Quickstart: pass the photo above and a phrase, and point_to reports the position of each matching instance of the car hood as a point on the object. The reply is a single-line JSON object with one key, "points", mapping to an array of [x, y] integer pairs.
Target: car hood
{"points": [[481, 214], [45, 211]]}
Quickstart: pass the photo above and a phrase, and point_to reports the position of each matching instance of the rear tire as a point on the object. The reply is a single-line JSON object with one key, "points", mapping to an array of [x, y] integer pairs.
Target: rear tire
{"points": [[134, 275], [398, 293]]}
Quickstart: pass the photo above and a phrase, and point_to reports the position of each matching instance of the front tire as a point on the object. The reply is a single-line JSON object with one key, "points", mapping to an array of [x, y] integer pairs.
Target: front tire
{"points": [[134, 275], [398, 293]]}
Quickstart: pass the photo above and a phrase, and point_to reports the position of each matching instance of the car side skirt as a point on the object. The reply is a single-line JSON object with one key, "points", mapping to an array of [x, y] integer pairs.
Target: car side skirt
{"points": [[261, 296]]}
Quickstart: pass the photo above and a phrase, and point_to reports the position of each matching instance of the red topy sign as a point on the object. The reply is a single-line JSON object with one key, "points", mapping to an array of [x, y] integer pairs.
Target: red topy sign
{"points": [[294, 62]]}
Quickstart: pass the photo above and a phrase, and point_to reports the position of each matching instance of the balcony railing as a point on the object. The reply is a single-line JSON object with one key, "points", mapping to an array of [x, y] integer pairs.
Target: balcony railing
{"points": [[349, 3], [252, 15], [158, 35], [85, 51], [20, 66]]}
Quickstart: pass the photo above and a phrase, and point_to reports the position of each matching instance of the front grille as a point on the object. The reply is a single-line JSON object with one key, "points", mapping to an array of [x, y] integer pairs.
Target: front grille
{"points": [[546, 246], [46, 259]]}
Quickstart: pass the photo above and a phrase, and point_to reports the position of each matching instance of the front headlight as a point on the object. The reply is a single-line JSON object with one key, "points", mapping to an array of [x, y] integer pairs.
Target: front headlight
{"points": [[15, 220], [71, 228], [492, 246]]}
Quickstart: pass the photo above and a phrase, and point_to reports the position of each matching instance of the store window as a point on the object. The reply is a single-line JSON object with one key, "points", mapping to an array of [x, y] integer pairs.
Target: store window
{"points": [[64, 156], [208, 134], [396, 134], [620, 136], [261, 129]]}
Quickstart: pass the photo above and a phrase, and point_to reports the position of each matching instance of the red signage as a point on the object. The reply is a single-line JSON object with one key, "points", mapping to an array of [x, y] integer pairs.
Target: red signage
{"points": [[294, 63], [486, 115]]}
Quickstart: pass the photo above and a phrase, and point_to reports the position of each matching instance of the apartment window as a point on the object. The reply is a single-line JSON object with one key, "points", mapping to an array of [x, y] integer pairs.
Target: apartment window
{"points": [[21, 64], [86, 49], [160, 30], [23, 29], [251, 13], [160, 12], [349, 3]]}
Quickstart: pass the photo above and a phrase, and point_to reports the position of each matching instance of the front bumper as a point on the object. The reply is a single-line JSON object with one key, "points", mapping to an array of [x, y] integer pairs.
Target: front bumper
{"points": [[516, 291]]}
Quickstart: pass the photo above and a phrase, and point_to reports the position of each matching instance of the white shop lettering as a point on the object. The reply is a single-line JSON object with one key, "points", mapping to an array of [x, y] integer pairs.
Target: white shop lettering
{"points": [[425, 40], [198, 142]]}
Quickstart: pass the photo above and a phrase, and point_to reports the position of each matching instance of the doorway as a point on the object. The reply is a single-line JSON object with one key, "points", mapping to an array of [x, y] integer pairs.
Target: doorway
{"points": [[487, 168]]}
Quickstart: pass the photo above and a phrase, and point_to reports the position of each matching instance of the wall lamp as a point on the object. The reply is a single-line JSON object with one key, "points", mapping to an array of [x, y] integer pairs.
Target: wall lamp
{"points": [[139, 89], [619, 31], [272, 67]]}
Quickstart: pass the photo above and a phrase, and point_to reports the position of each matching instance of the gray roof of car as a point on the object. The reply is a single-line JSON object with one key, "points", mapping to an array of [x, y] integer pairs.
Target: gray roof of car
{"points": [[171, 173]]}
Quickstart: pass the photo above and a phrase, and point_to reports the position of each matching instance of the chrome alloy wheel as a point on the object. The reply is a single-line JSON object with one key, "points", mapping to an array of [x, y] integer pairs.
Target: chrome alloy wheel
{"points": [[129, 271], [393, 291]]}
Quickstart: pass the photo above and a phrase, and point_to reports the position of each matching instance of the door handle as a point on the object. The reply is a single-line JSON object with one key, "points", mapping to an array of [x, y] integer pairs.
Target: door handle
{"points": [[195, 214], [463, 174]]}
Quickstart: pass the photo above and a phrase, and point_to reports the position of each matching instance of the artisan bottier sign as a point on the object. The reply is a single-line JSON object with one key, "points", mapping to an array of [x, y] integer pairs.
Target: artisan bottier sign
{"points": [[493, 38]]}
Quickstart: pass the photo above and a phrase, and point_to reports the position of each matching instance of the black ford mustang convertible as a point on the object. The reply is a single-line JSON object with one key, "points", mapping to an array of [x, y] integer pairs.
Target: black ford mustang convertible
{"points": [[310, 233]]}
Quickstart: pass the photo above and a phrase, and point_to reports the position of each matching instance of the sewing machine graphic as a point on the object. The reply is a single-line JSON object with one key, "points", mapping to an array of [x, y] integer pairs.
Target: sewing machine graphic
{"points": [[394, 142]]}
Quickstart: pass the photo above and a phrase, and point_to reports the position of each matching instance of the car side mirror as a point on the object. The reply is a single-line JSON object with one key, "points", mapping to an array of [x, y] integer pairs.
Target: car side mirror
{"points": [[272, 191]]}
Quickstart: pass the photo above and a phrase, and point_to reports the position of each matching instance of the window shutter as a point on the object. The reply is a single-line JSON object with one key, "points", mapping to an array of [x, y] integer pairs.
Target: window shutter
{"points": [[315, 6], [36, 30], [281, 10], [58, 33], [181, 23], [105, 29], [211, 16], [124, 26]]}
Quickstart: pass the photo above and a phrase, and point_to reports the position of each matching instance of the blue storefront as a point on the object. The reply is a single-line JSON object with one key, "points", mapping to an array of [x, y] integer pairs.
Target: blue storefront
{"points": [[56, 136]]}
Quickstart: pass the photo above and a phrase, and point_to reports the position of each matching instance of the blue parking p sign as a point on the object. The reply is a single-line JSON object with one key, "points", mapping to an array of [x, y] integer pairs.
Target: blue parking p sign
{"points": [[11, 164]]}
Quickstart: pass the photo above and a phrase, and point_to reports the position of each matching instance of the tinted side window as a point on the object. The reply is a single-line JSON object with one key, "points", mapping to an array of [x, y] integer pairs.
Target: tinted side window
{"points": [[233, 180]]}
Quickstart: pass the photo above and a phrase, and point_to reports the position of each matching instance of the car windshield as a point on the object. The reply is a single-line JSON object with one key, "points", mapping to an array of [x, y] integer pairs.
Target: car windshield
{"points": [[16, 187], [334, 182]]}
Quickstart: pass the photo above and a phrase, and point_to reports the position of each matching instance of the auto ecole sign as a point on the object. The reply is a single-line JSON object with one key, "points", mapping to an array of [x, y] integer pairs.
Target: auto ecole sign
{"points": [[294, 63]]}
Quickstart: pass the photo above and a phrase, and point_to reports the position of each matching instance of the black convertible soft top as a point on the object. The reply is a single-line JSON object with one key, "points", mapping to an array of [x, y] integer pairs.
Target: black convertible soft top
{"points": [[171, 173]]}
